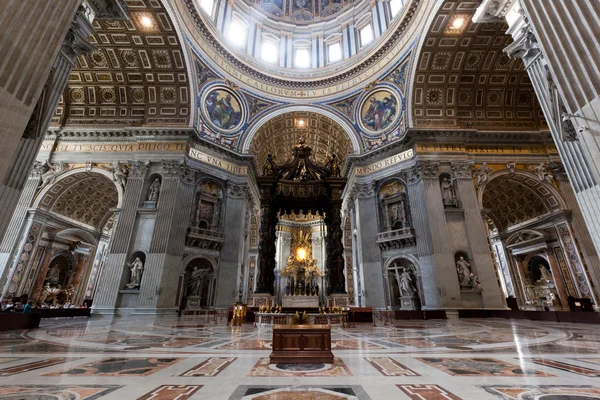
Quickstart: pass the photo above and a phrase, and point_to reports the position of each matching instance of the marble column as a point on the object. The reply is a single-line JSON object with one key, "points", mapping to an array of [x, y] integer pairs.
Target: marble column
{"points": [[432, 296], [558, 281], [369, 257], [108, 288], [159, 258], [482, 264], [76, 280], [232, 254]]}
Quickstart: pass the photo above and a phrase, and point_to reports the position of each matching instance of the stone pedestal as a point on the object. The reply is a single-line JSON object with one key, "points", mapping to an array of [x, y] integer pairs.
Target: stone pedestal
{"points": [[338, 300], [262, 299], [409, 303], [301, 301], [149, 204], [193, 303]]}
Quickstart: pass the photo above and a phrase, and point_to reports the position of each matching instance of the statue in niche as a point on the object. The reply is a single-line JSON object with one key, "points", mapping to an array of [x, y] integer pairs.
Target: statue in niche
{"points": [[119, 174], [136, 268], [448, 191], [406, 284], [270, 166], [475, 284], [334, 167], [482, 175], [464, 271], [154, 190], [54, 275], [541, 170], [546, 274], [196, 279]]}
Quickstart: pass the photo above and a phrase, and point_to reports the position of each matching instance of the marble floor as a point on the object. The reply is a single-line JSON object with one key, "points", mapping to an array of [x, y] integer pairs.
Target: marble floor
{"points": [[164, 358]]}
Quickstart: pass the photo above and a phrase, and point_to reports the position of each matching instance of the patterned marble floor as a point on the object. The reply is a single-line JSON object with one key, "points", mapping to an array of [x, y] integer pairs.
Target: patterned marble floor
{"points": [[166, 358]]}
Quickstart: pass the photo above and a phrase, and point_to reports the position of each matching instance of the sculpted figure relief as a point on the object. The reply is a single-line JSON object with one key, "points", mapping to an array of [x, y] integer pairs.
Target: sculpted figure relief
{"points": [[136, 268], [119, 174], [154, 190], [546, 274], [49, 177], [544, 175], [482, 174]]}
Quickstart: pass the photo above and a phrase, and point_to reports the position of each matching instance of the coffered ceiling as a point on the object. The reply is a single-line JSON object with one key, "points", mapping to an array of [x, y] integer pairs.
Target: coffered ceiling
{"points": [[280, 134], [464, 80], [137, 75]]}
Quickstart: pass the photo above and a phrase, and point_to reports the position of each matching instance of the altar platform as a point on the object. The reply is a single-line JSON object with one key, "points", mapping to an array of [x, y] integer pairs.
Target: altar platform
{"points": [[300, 302]]}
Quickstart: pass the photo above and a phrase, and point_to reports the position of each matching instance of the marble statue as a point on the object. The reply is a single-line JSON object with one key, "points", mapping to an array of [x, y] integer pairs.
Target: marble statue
{"points": [[136, 268], [119, 174], [154, 190], [482, 174], [464, 271], [54, 275], [511, 166], [448, 191], [546, 274], [406, 286], [196, 279], [475, 282], [49, 177], [541, 170]]}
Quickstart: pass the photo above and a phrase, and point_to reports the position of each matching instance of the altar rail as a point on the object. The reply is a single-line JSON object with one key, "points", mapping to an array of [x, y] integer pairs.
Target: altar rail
{"points": [[264, 319]]}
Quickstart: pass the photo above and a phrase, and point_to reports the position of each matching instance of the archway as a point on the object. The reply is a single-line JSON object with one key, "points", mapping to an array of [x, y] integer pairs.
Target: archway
{"points": [[77, 211], [403, 281], [199, 282], [525, 218]]}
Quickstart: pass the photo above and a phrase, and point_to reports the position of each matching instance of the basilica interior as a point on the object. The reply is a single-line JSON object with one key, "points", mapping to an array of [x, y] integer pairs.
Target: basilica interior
{"points": [[180, 177]]}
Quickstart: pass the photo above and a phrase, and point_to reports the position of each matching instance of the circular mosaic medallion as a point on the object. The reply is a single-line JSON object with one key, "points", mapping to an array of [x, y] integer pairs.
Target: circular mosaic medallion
{"points": [[222, 109], [379, 111]]}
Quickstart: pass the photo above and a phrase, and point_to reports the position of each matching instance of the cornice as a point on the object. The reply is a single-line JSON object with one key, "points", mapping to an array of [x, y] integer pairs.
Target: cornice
{"points": [[137, 133]]}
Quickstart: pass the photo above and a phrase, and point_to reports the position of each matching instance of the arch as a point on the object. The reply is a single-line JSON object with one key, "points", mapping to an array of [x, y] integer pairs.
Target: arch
{"points": [[74, 171], [83, 196], [345, 125], [544, 197], [188, 260], [414, 260], [72, 233]]}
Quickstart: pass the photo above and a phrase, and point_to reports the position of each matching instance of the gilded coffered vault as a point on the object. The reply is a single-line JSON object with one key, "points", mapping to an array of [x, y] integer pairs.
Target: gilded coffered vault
{"points": [[281, 133], [87, 197], [136, 76], [464, 79]]}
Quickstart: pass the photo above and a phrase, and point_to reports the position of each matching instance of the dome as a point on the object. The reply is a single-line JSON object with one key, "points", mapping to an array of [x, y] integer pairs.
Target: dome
{"points": [[296, 45]]}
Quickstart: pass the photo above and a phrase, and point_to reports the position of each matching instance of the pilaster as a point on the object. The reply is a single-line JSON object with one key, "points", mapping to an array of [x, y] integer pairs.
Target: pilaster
{"points": [[233, 252]]}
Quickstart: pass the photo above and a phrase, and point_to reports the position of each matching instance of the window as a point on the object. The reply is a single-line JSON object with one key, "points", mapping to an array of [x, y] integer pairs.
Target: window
{"points": [[269, 52], [237, 33], [208, 6], [302, 58], [396, 6], [335, 52], [366, 35]]}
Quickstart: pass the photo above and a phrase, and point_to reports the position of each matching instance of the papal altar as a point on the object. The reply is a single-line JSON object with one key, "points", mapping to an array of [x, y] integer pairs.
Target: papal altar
{"points": [[300, 301]]}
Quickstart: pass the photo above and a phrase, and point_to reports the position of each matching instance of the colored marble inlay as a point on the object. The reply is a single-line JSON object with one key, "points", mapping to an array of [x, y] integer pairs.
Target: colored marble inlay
{"points": [[530, 392], [34, 365], [4, 360], [120, 367], [567, 367], [390, 367], [171, 392], [66, 392], [353, 345], [427, 392], [247, 344], [264, 369], [211, 367], [589, 360], [324, 392], [479, 367]]}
